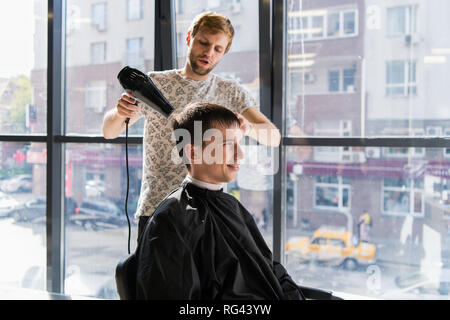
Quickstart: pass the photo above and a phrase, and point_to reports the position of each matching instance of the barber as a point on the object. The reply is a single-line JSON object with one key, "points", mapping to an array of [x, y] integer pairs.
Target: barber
{"points": [[209, 38]]}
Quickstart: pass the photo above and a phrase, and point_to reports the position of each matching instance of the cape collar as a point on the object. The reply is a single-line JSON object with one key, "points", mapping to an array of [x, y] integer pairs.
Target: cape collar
{"points": [[202, 184]]}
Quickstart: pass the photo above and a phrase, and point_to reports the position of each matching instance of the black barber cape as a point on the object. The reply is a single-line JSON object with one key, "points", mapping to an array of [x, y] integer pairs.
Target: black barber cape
{"points": [[203, 244]]}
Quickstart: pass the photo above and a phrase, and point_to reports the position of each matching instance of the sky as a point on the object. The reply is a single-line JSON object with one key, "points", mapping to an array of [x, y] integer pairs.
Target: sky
{"points": [[16, 36]]}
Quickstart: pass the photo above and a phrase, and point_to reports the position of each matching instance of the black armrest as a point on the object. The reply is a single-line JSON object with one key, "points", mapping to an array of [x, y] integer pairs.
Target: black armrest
{"points": [[126, 277]]}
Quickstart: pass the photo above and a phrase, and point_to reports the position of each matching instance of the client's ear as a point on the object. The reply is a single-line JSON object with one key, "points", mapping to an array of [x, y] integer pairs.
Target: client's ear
{"points": [[193, 153]]}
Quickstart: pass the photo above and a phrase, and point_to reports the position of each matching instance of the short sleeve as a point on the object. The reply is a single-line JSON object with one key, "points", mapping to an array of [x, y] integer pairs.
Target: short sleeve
{"points": [[243, 98]]}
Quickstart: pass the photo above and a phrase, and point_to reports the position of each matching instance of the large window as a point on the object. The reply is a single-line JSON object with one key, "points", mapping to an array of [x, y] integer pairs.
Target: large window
{"points": [[394, 211], [23, 153], [366, 180], [22, 215], [359, 92], [96, 225], [93, 60], [96, 230]]}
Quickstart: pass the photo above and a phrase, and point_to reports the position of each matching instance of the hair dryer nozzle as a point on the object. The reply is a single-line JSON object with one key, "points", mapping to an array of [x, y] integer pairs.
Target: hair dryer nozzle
{"points": [[142, 88]]}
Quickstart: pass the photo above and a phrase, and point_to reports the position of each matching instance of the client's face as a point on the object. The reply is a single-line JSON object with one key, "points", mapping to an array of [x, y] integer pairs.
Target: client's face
{"points": [[221, 155]]}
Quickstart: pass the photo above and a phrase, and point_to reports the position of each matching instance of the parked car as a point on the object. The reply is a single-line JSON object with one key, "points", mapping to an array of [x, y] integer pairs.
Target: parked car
{"points": [[7, 203], [20, 183], [332, 246], [95, 213], [35, 210]]}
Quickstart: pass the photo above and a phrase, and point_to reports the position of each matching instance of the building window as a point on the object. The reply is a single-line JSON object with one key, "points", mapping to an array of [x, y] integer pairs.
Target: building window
{"points": [[403, 196], [317, 27], [333, 25], [98, 52], [306, 25], [341, 23], [135, 10], [401, 21], [135, 52], [332, 192], [99, 16], [341, 80], [349, 22], [333, 81], [401, 78], [348, 80], [96, 96], [298, 28]]}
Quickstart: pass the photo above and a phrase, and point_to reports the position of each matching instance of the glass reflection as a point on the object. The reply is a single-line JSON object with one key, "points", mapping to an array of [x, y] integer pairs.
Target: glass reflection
{"points": [[96, 224], [381, 67], [375, 225], [101, 38], [23, 215]]}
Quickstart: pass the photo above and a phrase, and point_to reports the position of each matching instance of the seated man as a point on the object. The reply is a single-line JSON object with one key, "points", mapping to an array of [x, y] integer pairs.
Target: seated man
{"points": [[201, 243]]}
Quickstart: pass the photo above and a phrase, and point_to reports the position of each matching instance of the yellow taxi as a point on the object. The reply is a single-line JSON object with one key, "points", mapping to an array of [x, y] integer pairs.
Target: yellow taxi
{"points": [[333, 246]]}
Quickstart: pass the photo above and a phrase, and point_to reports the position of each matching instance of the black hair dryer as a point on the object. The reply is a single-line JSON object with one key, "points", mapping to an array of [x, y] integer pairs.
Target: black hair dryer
{"points": [[138, 85]]}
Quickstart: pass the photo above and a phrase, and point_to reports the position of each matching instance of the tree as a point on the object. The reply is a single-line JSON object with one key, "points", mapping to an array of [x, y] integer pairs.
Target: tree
{"points": [[22, 97]]}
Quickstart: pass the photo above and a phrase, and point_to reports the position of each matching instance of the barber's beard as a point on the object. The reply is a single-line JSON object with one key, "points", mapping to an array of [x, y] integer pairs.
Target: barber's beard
{"points": [[196, 68]]}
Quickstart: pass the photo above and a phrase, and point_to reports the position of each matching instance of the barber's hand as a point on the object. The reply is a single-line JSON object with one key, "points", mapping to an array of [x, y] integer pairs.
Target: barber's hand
{"points": [[246, 125], [127, 107]]}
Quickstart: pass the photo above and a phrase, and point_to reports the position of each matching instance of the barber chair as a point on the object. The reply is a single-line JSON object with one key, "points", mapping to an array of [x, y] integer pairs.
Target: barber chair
{"points": [[126, 282], [126, 271]]}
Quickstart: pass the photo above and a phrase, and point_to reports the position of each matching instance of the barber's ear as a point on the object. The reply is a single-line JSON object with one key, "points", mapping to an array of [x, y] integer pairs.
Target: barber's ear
{"points": [[188, 38]]}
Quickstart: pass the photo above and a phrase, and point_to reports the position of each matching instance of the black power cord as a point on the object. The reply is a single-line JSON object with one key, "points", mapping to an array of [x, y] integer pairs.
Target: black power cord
{"points": [[128, 184]]}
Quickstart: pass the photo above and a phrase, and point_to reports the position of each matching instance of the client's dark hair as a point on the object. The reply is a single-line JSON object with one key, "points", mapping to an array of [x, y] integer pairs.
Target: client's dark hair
{"points": [[210, 115]]}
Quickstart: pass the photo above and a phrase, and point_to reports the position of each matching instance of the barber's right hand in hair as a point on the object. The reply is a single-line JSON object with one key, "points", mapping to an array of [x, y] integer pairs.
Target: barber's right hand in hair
{"points": [[127, 107]]}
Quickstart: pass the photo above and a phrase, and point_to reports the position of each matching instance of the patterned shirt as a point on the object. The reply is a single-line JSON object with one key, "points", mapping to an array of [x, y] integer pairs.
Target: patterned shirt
{"points": [[160, 174]]}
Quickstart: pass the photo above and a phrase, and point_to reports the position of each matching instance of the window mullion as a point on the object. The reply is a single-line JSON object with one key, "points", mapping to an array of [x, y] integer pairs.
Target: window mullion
{"points": [[55, 156]]}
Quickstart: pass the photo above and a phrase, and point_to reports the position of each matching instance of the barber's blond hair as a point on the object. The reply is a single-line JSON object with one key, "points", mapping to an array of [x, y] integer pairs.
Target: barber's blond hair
{"points": [[213, 22]]}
